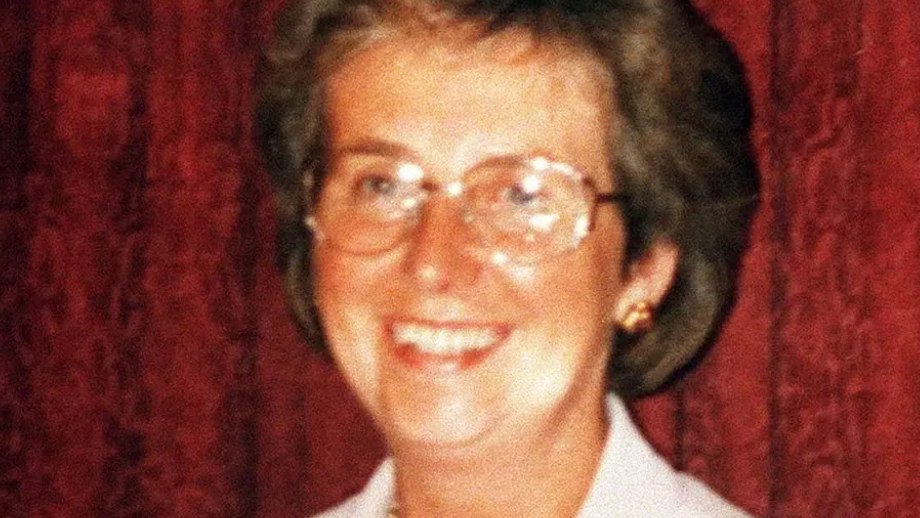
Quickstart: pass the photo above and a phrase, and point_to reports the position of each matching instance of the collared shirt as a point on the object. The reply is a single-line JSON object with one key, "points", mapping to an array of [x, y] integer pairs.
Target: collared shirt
{"points": [[632, 481]]}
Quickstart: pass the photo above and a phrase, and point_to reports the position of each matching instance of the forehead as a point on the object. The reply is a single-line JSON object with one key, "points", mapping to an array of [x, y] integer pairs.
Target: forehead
{"points": [[456, 98], [389, 54]]}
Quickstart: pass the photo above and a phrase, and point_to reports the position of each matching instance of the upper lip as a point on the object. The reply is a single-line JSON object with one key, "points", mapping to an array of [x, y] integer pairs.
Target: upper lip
{"points": [[429, 336], [447, 324]]}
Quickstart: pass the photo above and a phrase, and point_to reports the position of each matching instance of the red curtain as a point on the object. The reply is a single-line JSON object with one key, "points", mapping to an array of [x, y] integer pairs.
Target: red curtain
{"points": [[147, 364]]}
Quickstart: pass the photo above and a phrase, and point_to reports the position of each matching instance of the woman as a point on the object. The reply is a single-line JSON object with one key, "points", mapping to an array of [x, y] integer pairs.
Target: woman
{"points": [[484, 206]]}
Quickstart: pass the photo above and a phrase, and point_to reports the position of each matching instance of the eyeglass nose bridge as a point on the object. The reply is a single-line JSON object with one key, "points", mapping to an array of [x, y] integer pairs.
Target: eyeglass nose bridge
{"points": [[453, 190], [468, 241]]}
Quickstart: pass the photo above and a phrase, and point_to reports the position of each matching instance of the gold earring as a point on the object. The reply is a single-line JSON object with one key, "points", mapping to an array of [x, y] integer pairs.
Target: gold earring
{"points": [[638, 319]]}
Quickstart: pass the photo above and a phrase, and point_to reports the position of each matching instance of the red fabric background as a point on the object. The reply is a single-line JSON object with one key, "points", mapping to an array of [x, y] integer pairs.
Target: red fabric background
{"points": [[147, 365]]}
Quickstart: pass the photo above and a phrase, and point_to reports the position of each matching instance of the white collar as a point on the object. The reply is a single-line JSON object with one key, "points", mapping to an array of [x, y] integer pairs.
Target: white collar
{"points": [[632, 481]]}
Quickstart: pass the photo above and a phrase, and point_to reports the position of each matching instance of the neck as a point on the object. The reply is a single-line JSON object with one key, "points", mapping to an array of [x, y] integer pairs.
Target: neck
{"points": [[546, 471]]}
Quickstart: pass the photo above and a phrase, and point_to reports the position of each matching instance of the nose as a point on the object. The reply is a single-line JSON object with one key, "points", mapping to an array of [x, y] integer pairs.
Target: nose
{"points": [[438, 260]]}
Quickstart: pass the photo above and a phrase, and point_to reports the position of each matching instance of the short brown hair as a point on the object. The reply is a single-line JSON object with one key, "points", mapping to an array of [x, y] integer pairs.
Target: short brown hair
{"points": [[682, 152]]}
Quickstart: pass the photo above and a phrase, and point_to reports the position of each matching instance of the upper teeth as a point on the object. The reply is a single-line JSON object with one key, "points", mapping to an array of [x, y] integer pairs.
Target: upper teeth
{"points": [[440, 340]]}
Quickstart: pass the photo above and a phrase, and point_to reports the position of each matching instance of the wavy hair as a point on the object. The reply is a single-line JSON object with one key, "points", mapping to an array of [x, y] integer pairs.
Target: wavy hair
{"points": [[681, 153]]}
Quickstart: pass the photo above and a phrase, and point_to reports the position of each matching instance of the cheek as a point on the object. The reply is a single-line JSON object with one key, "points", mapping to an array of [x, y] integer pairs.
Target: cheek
{"points": [[567, 307], [578, 308], [345, 299], [582, 301], [581, 287], [564, 344], [343, 284]]}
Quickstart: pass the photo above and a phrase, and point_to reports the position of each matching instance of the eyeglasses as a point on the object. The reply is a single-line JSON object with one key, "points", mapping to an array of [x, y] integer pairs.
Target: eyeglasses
{"points": [[523, 211]]}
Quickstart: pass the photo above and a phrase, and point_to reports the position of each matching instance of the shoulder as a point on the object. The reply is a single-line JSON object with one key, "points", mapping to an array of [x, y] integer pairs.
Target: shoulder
{"points": [[372, 502], [346, 509], [633, 481], [696, 500]]}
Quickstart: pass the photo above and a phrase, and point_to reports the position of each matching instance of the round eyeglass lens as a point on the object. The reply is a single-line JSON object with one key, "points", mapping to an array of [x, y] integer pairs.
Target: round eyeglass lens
{"points": [[525, 213], [371, 211]]}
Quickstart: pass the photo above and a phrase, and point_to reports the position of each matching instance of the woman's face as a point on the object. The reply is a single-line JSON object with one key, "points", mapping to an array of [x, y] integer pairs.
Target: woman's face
{"points": [[541, 330]]}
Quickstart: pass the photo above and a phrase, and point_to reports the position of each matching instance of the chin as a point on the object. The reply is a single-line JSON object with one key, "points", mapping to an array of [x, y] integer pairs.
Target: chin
{"points": [[444, 414]]}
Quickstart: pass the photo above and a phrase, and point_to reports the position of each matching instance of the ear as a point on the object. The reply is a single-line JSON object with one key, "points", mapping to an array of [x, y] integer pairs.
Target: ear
{"points": [[648, 278]]}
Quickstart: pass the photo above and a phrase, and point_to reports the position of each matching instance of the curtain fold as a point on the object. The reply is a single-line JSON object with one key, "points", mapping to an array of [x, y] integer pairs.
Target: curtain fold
{"points": [[148, 366]]}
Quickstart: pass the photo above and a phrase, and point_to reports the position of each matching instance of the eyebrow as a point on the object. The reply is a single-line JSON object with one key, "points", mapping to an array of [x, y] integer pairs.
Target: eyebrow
{"points": [[381, 147], [377, 147]]}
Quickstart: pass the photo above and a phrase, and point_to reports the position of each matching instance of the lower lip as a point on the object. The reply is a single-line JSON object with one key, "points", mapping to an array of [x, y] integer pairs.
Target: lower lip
{"points": [[411, 356], [414, 358]]}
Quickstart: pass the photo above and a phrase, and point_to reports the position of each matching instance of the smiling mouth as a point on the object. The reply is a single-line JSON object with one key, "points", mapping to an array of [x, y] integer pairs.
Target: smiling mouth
{"points": [[444, 346]]}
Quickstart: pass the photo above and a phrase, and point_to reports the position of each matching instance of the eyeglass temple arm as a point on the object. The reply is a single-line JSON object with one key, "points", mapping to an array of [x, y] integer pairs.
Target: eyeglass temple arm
{"points": [[611, 197], [606, 197]]}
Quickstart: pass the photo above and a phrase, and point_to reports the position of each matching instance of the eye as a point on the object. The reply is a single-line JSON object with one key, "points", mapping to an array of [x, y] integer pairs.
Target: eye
{"points": [[525, 192], [384, 194], [374, 186], [385, 181], [521, 197]]}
